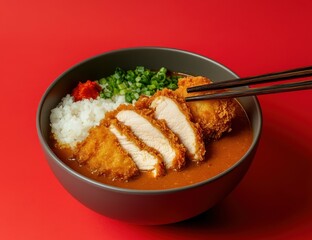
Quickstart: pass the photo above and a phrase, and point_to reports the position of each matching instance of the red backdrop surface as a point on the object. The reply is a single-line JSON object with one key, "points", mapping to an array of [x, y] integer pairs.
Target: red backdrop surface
{"points": [[41, 39]]}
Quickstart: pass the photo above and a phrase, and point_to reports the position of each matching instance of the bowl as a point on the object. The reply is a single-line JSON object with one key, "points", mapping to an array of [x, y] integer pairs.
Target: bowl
{"points": [[146, 207]]}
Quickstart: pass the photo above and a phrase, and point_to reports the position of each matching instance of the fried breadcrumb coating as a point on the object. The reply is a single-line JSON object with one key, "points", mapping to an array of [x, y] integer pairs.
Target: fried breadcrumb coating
{"points": [[214, 116], [153, 133], [103, 154], [145, 157], [171, 108]]}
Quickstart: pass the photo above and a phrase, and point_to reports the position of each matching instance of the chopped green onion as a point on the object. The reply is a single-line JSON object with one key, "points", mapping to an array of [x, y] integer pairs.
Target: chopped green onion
{"points": [[133, 83], [136, 96], [102, 81], [122, 85], [128, 97]]}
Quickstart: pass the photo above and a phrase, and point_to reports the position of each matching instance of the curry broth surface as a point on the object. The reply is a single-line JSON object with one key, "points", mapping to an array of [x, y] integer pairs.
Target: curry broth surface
{"points": [[220, 155]]}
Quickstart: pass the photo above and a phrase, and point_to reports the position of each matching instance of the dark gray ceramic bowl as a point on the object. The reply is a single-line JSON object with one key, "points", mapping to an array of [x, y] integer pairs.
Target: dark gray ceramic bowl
{"points": [[143, 206]]}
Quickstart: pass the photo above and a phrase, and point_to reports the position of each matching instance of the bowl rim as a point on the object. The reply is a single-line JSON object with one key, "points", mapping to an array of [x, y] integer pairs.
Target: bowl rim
{"points": [[95, 183]]}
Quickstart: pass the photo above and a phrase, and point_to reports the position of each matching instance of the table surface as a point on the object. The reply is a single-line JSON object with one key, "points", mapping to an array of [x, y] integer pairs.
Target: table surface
{"points": [[41, 39]]}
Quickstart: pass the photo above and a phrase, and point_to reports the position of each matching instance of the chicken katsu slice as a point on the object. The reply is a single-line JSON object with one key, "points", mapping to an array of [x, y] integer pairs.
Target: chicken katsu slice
{"points": [[168, 106], [104, 155], [153, 133], [214, 116], [146, 158]]}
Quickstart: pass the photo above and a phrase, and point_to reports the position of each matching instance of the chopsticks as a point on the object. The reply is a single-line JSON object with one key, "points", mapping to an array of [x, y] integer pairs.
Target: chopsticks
{"points": [[266, 78]]}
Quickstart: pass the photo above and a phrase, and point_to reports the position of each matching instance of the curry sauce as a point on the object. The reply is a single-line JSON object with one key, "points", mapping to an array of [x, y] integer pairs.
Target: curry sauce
{"points": [[220, 156]]}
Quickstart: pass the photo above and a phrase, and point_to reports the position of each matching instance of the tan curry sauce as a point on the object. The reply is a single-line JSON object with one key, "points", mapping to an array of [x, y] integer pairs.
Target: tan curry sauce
{"points": [[220, 155]]}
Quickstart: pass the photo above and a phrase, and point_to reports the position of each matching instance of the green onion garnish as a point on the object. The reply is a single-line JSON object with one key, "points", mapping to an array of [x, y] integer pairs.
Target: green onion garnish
{"points": [[133, 83]]}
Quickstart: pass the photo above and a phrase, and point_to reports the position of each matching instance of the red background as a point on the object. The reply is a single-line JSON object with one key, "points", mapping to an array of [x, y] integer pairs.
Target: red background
{"points": [[41, 39]]}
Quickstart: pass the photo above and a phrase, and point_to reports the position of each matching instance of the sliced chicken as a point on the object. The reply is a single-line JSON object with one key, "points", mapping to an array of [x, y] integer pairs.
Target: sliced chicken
{"points": [[146, 158], [173, 109], [154, 134], [104, 155], [214, 116]]}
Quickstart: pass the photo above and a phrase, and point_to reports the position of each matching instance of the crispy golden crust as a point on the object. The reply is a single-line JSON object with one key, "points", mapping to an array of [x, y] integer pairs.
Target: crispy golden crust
{"points": [[159, 167], [214, 116], [103, 154], [179, 160], [145, 102]]}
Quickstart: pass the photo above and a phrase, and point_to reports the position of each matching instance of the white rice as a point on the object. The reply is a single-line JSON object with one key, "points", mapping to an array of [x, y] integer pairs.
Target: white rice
{"points": [[71, 121]]}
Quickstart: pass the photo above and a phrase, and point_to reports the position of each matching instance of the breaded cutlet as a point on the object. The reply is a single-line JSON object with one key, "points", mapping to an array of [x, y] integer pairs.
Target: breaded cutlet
{"points": [[214, 116]]}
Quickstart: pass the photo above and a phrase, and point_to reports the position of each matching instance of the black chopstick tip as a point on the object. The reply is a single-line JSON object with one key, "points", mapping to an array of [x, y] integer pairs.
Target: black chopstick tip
{"points": [[192, 89], [199, 88]]}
